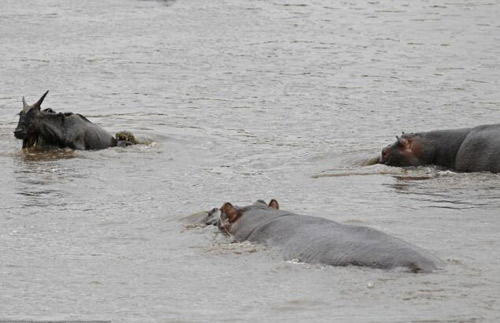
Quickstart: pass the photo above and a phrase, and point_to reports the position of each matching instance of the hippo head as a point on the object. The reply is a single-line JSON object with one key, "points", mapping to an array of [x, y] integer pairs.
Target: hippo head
{"points": [[229, 214], [406, 151], [27, 128], [212, 217]]}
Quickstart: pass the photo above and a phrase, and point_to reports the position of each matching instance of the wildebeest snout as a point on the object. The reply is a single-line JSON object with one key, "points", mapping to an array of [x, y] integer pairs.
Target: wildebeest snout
{"points": [[19, 133]]}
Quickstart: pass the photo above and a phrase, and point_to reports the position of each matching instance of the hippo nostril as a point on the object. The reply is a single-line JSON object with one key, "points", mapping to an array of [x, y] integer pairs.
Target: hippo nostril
{"points": [[385, 154]]}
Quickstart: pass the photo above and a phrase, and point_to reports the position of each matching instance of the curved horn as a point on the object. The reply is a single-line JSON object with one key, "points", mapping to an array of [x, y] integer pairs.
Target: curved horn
{"points": [[39, 102], [24, 103]]}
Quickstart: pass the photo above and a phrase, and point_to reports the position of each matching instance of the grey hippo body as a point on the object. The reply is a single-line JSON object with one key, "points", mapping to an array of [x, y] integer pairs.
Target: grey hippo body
{"points": [[474, 149], [318, 240], [48, 129]]}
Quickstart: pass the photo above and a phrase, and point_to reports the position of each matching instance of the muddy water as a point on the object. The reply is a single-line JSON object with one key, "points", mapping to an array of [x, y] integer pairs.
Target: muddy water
{"points": [[244, 100]]}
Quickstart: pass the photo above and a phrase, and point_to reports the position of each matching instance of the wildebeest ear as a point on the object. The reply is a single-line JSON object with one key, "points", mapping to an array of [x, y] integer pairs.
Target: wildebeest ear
{"points": [[231, 213], [273, 204], [38, 103]]}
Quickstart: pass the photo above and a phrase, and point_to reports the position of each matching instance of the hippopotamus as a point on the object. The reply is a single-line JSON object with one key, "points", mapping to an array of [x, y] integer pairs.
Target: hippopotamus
{"points": [[474, 149], [48, 129], [318, 240]]}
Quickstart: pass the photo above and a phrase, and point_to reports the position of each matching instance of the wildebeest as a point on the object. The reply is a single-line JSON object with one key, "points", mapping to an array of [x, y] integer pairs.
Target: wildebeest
{"points": [[464, 150], [318, 240], [48, 129]]}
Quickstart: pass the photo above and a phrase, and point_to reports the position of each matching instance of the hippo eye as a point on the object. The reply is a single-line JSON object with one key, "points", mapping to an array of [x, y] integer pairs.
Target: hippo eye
{"points": [[385, 152]]}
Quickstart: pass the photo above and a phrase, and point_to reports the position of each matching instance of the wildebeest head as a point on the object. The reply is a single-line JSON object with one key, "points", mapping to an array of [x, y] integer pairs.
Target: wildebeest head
{"points": [[27, 128], [230, 214]]}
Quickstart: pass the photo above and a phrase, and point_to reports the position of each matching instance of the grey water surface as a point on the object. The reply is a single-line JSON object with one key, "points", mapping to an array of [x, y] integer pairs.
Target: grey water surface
{"points": [[244, 100]]}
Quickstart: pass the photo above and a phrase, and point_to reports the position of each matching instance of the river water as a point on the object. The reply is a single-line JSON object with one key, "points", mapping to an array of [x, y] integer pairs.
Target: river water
{"points": [[244, 100]]}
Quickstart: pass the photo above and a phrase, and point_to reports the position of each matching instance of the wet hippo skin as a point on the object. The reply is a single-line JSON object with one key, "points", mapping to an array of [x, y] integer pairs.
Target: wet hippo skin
{"points": [[464, 150], [318, 240]]}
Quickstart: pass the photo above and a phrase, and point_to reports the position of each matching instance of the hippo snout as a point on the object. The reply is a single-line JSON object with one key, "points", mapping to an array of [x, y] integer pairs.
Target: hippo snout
{"points": [[213, 217], [384, 156]]}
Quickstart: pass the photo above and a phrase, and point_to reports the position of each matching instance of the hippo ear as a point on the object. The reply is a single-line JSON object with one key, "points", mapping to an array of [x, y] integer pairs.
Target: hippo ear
{"points": [[38, 103], [260, 202], [404, 143], [231, 213], [273, 204]]}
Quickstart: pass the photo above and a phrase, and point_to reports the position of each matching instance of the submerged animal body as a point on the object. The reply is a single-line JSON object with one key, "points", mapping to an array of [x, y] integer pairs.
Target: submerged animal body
{"points": [[318, 240], [48, 129], [464, 150]]}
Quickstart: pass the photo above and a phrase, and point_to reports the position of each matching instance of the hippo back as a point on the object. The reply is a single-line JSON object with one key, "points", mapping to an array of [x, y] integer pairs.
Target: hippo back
{"points": [[318, 240], [480, 150]]}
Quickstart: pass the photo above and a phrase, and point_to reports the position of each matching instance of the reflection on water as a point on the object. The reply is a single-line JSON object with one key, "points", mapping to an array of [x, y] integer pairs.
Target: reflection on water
{"points": [[438, 188], [42, 176], [363, 170], [165, 2], [39, 155], [430, 187]]}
